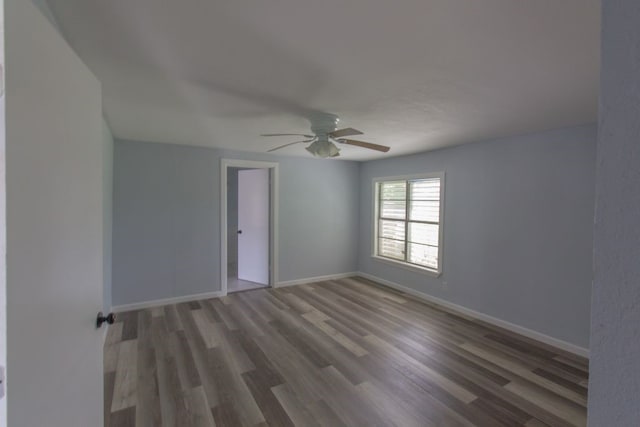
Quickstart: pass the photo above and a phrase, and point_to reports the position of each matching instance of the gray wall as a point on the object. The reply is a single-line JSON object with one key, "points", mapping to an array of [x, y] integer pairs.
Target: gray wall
{"points": [[614, 388], [107, 205], [166, 223], [517, 231]]}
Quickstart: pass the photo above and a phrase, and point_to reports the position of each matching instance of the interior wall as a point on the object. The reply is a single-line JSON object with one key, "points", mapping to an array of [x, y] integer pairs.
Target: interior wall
{"points": [[614, 385], [107, 204], [43, 7], [166, 223], [54, 227], [518, 220], [107, 180]]}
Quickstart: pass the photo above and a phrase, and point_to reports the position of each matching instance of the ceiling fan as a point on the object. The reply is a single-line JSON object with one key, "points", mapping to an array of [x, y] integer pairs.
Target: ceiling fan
{"points": [[325, 136]]}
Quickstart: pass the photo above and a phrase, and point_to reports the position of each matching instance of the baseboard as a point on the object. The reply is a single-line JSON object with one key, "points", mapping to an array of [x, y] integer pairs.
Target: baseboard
{"points": [[165, 301], [538, 336], [216, 294], [315, 279]]}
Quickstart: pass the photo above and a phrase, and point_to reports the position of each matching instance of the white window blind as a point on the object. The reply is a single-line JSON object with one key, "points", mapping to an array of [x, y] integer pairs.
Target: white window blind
{"points": [[408, 221]]}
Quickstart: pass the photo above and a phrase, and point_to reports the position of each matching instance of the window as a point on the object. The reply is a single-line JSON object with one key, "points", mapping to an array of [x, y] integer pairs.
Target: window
{"points": [[408, 221]]}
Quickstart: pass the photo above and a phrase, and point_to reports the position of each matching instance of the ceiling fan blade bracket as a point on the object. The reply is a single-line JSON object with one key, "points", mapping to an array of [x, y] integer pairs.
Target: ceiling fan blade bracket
{"points": [[291, 143], [288, 134], [369, 145], [344, 132], [323, 143]]}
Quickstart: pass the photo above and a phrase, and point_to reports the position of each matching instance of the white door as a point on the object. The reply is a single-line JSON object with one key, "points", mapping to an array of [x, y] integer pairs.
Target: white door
{"points": [[253, 225], [54, 227]]}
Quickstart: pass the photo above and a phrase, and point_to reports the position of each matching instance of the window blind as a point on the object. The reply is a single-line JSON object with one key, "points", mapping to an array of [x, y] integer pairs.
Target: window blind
{"points": [[409, 221]]}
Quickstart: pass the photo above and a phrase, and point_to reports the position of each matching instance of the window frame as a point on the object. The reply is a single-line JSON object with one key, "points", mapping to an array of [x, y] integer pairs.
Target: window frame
{"points": [[376, 206]]}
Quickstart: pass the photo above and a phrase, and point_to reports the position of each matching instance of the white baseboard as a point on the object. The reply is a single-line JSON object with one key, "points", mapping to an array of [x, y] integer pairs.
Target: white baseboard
{"points": [[538, 336], [315, 279], [216, 294], [165, 301]]}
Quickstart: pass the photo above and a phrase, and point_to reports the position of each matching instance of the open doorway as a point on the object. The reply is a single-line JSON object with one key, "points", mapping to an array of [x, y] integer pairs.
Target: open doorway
{"points": [[248, 225], [248, 229]]}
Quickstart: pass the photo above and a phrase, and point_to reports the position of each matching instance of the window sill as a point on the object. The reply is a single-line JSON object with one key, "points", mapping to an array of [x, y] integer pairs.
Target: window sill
{"points": [[406, 266]]}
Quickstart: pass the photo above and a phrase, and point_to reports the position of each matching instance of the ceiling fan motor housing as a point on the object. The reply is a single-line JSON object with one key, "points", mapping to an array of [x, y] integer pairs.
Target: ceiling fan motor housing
{"points": [[325, 137], [323, 124]]}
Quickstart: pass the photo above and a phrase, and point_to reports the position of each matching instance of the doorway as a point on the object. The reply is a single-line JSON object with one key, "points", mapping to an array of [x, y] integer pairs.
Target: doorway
{"points": [[248, 226]]}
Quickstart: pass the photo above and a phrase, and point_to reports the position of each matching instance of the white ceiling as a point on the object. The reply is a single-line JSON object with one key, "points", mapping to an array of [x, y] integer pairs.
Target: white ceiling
{"points": [[412, 74]]}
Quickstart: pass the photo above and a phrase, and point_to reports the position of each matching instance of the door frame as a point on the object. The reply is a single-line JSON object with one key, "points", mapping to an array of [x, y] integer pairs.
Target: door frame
{"points": [[273, 216]]}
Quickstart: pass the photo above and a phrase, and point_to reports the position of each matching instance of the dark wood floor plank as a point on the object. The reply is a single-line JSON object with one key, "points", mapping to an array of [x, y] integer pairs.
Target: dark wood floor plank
{"points": [[432, 411], [524, 372], [170, 391], [272, 410], [350, 405], [254, 300], [297, 413], [571, 385], [346, 352], [522, 347], [210, 312], [148, 402], [298, 372], [300, 342], [181, 352], [109, 381], [502, 412], [245, 317], [130, 325], [199, 354], [125, 387], [197, 411], [173, 320], [124, 418], [324, 415], [223, 312], [534, 359], [234, 396]]}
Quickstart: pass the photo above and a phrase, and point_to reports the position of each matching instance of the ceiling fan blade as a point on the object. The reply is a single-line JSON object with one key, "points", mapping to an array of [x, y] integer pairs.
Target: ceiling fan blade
{"points": [[344, 132], [363, 144], [287, 134], [291, 143]]}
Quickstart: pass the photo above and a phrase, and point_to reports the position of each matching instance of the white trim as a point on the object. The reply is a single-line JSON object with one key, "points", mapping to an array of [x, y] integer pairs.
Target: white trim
{"points": [[217, 294], [315, 279], [538, 336], [274, 196], [407, 266], [374, 244], [165, 301]]}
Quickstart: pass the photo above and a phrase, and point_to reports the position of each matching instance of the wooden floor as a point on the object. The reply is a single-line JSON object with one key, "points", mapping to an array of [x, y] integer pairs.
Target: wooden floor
{"points": [[238, 285], [334, 353]]}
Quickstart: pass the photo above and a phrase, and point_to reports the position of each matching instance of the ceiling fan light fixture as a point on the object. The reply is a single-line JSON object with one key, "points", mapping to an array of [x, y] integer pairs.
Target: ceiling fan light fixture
{"points": [[323, 149], [327, 138]]}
